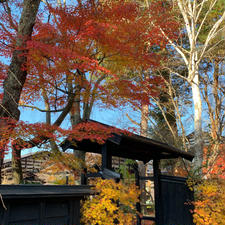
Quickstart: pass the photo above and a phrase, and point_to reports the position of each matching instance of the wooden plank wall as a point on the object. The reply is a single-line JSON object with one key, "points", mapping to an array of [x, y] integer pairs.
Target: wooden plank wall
{"points": [[31, 164]]}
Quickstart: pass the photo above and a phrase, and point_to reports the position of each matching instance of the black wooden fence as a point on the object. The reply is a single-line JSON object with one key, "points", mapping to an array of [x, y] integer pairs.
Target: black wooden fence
{"points": [[175, 201], [41, 205], [60, 205]]}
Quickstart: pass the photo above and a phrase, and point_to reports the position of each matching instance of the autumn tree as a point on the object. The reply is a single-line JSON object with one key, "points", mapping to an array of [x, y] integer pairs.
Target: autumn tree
{"points": [[16, 75], [114, 57], [80, 55], [209, 201], [92, 60], [212, 80], [193, 15]]}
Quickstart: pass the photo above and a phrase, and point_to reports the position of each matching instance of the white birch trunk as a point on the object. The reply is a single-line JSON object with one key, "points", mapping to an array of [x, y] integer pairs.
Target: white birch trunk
{"points": [[198, 139], [194, 15]]}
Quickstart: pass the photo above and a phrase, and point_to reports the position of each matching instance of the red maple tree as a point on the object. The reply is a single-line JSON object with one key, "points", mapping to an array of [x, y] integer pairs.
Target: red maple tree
{"points": [[80, 55]]}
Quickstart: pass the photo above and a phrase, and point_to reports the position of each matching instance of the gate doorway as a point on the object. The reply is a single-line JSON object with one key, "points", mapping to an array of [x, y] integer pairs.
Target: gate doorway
{"points": [[132, 146], [175, 201]]}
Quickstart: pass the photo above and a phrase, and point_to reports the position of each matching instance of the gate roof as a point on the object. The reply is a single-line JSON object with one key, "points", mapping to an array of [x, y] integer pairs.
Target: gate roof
{"points": [[130, 146]]}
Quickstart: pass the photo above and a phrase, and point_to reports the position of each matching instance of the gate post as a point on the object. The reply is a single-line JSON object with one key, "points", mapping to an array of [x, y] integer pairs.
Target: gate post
{"points": [[137, 183], [157, 191], [106, 158]]}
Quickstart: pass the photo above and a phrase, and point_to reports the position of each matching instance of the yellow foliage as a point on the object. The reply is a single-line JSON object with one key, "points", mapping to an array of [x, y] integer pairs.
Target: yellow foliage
{"points": [[58, 166], [61, 180], [114, 203], [210, 203]]}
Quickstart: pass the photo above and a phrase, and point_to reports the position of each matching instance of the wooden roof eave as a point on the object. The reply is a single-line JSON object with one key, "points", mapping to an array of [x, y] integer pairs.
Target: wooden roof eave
{"points": [[130, 146], [160, 147]]}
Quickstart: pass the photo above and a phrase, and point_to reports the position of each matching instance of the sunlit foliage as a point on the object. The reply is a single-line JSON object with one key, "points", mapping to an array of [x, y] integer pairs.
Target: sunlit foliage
{"points": [[114, 203], [209, 205]]}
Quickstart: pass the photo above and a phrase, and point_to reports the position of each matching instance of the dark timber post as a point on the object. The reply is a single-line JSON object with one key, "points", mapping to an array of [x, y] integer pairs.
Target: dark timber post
{"points": [[157, 191], [137, 183], [106, 158], [84, 177]]}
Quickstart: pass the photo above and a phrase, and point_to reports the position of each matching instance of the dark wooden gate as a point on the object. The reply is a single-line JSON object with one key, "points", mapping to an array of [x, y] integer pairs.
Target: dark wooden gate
{"points": [[172, 201], [41, 205], [175, 201]]}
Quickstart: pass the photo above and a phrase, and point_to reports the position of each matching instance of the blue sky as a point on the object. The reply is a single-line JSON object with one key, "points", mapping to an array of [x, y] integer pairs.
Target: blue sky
{"points": [[115, 117]]}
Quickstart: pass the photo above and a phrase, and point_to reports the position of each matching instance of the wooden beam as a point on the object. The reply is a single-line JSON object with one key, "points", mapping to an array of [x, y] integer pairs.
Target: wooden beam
{"points": [[146, 178], [106, 158], [84, 177], [151, 218], [137, 183], [157, 192]]}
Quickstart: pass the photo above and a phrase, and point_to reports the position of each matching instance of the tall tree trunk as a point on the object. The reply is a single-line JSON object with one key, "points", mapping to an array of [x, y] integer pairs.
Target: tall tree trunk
{"points": [[17, 172], [144, 120], [16, 78], [1, 164], [54, 147], [141, 166], [214, 111], [75, 118], [198, 139], [215, 129]]}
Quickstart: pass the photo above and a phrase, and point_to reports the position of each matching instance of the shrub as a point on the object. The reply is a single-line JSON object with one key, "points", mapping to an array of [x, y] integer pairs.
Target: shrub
{"points": [[209, 202], [114, 203]]}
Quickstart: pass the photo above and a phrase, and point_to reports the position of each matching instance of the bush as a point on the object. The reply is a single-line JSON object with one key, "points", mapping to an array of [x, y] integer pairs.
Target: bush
{"points": [[114, 203], [210, 202]]}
